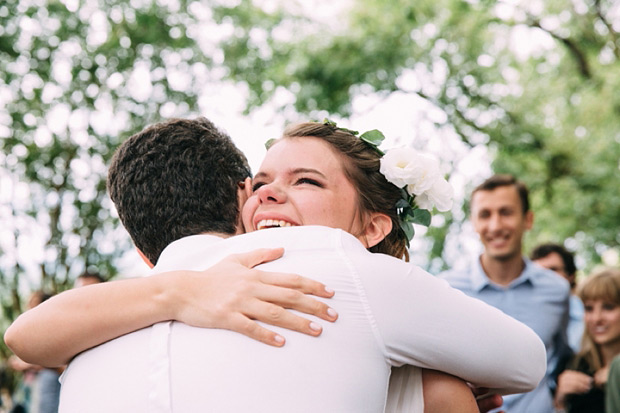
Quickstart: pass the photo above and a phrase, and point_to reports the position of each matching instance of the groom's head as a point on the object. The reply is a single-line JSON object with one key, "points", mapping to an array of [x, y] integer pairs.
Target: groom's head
{"points": [[175, 179]]}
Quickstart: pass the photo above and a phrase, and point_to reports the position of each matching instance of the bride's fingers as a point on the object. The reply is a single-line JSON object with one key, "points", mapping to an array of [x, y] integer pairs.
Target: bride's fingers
{"points": [[244, 325], [277, 316], [255, 257], [489, 401], [286, 298], [262, 255], [295, 282], [259, 256]]}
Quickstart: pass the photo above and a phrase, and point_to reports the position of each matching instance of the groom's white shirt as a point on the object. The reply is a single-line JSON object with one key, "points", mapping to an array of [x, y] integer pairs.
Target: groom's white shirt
{"points": [[390, 313]]}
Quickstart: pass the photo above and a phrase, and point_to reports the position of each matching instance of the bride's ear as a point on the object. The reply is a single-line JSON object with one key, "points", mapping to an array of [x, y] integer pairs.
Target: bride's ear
{"points": [[378, 226]]}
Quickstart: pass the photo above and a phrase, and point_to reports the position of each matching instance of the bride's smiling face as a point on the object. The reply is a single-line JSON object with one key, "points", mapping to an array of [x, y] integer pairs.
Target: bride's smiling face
{"points": [[302, 182]]}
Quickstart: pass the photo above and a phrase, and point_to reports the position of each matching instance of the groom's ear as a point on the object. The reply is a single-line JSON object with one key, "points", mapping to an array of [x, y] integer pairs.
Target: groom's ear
{"points": [[377, 228], [244, 191]]}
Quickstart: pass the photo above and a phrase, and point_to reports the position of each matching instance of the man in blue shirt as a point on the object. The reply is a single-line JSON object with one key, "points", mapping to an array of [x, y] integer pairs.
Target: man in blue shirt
{"points": [[504, 278]]}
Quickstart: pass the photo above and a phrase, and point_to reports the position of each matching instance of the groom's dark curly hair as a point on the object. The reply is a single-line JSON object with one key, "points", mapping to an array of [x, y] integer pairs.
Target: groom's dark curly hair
{"points": [[175, 179]]}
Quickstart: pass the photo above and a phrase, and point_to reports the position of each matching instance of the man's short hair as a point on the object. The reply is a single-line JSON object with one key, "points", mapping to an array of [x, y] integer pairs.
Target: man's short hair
{"points": [[497, 181], [543, 250], [175, 179]]}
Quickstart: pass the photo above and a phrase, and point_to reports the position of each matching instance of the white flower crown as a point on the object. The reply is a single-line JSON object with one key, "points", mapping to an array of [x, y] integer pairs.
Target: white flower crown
{"points": [[418, 177]]}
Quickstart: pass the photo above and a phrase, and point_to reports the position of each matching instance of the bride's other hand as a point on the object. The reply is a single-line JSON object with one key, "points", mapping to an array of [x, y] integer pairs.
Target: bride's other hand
{"points": [[485, 399], [233, 294]]}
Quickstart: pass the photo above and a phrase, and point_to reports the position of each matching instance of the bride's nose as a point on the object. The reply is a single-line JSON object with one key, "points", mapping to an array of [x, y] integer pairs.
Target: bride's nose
{"points": [[271, 193]]}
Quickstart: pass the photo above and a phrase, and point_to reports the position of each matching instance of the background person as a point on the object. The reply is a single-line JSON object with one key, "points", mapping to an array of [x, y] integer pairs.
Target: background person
{"points": [[504, 278], [39, 389], [87, 278], [612, 393], [581, 387], [556, 258]]}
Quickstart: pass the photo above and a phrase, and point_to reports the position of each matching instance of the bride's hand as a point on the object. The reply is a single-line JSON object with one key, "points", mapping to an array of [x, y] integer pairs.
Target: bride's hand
{"points": [[232, 295]]}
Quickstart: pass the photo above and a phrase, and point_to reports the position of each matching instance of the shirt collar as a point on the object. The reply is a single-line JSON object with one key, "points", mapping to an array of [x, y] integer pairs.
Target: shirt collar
{"points": [[480, 280]]}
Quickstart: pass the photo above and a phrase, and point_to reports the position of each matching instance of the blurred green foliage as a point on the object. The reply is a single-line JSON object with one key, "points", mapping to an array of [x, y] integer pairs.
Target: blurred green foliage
{"points": [[76, 78]]}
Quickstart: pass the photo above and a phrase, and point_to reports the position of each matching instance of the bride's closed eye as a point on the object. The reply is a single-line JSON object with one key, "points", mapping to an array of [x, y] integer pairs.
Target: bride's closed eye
{"points": [[309, 181], [299, 181], [257, 185]]}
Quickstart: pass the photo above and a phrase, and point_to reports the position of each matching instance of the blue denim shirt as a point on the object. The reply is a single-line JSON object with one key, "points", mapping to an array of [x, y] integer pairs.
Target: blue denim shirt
{"points": [[575, 323], [539, 298]]}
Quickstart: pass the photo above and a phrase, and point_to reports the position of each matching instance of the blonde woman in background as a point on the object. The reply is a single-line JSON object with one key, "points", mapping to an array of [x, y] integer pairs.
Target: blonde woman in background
{"points": [[581, 387]]}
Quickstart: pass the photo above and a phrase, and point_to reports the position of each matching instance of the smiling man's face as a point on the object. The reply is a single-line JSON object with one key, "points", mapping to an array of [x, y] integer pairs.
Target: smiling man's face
{"points": [[499, 220]]}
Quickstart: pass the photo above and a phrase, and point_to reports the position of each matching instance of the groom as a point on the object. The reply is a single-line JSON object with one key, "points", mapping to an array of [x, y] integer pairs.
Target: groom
{"points": [[170, 183]]}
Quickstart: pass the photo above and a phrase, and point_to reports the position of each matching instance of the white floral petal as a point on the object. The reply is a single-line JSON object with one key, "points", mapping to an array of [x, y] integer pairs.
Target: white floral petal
{"points": [[441, 195], [424, 202]]}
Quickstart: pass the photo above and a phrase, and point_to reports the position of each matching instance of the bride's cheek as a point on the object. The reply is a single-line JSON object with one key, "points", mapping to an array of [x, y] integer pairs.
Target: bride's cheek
{"points": [[247, 212]]}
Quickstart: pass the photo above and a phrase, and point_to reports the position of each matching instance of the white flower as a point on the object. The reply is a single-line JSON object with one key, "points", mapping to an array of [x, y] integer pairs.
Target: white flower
{"points": [[427, 172], [398, 165], [420, 175], [404, 167], [439, 195]]}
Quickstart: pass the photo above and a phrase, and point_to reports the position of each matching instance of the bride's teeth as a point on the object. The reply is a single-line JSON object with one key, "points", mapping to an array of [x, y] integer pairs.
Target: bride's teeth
{"points": [[266, 223]]}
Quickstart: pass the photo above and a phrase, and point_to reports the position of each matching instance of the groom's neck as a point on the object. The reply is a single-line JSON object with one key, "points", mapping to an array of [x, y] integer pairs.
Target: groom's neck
{"points": [[218, 234]]}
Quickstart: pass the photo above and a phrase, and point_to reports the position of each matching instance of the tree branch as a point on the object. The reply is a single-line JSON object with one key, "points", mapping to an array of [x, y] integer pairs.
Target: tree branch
{"points": [[578, 55], [451, 121], [610, 28]]}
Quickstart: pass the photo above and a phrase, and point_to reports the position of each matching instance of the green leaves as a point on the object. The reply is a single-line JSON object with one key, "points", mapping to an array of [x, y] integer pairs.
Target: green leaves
{"points": [[408, 229], [410, 214], [270, 142], [422, 217], [414, 215], [374, 137], [334, 125]]}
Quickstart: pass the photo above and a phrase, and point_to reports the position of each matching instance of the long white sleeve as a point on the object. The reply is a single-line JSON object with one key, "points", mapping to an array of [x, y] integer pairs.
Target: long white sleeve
{"points": [[424, 322]]}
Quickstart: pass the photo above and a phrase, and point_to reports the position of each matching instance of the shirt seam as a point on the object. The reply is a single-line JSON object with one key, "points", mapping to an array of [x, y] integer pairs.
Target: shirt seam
{"points": [[363, 298]]}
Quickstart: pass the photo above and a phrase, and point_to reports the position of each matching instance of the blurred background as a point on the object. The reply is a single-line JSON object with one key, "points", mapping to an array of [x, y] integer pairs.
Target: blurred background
{"points": [[525, 87]]}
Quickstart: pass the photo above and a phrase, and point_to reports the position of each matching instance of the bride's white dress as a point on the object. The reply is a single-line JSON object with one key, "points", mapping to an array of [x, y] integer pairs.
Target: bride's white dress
{"points": [[405, 391]]}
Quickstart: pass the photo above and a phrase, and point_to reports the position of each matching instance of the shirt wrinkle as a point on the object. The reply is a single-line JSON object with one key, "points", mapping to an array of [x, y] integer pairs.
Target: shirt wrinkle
{"points": [[363, 298]]}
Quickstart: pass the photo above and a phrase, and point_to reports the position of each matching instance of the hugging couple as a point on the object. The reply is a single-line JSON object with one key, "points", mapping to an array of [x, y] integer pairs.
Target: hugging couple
{"points": [[319, 234]]}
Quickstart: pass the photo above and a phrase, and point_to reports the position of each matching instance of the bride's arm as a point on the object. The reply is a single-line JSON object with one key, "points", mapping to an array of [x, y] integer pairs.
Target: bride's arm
{"points": [[426, 323], [228, 296]]}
